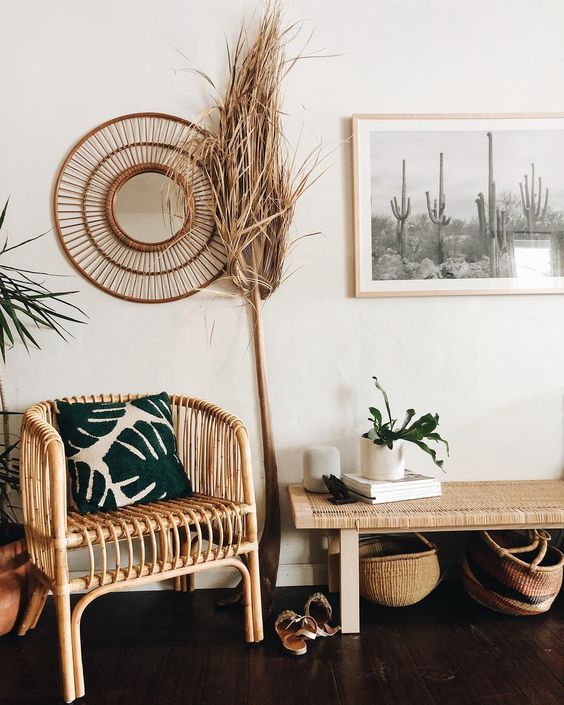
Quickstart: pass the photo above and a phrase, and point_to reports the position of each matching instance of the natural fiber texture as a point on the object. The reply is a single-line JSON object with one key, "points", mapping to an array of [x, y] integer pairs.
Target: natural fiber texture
{"points": [[513, 572], [255, 184], [91, 178], [255, 181], [398, 571], [463, 505], [139, 544], [120, 454]]}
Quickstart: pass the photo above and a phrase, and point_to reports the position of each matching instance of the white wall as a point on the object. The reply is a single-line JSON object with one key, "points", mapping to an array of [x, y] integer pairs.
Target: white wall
{"points": [[492, 367]]}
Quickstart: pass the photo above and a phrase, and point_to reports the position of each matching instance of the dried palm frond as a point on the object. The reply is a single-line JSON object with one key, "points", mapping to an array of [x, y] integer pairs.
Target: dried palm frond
{"points": [[255, 180], [255, 184]]}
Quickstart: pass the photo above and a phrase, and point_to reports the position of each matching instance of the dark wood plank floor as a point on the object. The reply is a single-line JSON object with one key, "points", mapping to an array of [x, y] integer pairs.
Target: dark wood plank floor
{"points": [[164, 648]]}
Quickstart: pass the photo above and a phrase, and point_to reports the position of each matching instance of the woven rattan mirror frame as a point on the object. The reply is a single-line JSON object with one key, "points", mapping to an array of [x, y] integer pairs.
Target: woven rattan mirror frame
{"points": [[112, 259]]}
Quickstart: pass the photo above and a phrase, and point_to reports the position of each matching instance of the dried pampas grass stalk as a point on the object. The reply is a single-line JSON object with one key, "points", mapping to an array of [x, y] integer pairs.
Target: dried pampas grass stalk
{"points": [[256, 183]]}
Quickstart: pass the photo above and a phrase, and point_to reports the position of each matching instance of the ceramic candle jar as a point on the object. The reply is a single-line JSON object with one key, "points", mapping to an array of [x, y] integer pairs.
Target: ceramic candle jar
{"points": [[319, 461]]}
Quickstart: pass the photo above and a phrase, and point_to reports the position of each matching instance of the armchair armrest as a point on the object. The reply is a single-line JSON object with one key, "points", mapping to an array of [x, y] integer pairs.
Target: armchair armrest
{"points": [[214, 447], [43, 487]]}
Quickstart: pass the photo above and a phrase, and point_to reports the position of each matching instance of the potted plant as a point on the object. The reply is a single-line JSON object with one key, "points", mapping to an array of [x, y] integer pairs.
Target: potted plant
{"points": [[25, 303], [13, 554], [382, 447]]}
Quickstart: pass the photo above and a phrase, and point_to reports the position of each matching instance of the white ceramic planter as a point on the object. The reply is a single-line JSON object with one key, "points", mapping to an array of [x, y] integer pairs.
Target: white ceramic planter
{"points": [[381, 463]]}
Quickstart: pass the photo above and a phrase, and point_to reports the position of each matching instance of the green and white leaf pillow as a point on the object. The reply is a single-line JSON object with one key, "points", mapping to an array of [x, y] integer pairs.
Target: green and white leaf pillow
{"points": [[121, 453]]}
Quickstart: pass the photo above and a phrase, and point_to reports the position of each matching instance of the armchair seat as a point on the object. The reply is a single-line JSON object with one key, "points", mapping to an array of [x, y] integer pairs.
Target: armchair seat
{"points": [[139, 543], [153, 538]]}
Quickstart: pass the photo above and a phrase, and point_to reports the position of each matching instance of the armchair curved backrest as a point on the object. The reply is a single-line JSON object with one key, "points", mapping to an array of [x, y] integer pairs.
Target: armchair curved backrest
{"points": [[212, 443], [216, 526]]}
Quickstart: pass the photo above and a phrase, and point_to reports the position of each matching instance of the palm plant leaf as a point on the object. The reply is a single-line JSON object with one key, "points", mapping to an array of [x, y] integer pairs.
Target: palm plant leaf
{"points": [[26, 304], [255, 186], [3, 214], [255, 181]]}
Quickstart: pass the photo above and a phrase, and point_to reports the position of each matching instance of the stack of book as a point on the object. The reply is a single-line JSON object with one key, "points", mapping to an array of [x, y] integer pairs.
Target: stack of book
{"points": [[410, 486]]}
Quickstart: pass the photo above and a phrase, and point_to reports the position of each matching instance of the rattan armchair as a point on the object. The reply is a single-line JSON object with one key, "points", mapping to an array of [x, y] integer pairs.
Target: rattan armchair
{"points": [[140, 543]]}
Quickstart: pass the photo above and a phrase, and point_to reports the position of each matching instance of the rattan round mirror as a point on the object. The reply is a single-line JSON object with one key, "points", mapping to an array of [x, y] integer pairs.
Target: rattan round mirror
{"points": [[132, 224]]}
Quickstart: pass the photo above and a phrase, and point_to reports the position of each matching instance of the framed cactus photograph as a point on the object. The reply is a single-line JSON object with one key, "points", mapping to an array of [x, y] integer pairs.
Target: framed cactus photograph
{"points": [[458, 204]]}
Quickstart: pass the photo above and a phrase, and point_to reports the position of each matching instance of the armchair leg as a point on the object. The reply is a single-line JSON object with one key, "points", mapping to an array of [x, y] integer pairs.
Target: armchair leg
{"points": [[62, 607], [255, 595], [180, 580], [37, 596], [189, 584], [247, 601], [185, 583], [77, 646]]}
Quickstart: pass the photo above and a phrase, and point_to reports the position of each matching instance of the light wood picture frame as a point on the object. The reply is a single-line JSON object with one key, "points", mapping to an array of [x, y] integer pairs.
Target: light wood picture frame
{"points": [[458, 204]]}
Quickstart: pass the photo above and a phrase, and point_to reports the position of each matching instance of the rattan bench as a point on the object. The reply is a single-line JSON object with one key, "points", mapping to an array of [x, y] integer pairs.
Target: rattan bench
{"points": [[463, 506]]}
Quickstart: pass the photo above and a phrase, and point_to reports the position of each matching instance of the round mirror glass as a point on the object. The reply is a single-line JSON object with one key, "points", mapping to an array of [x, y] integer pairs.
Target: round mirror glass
{"points": [[150, 208]]}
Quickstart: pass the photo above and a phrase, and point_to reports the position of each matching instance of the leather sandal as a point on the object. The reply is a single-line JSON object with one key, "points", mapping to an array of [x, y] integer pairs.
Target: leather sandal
{"points": [[294, 629], [318, 608]]}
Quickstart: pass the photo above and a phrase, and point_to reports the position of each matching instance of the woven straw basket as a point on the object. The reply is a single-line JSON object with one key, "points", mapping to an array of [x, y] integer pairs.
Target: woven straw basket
{"points": [[513, 572], [398, 571]]}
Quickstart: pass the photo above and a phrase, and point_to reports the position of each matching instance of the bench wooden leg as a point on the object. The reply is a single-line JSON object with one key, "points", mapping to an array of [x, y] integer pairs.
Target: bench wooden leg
{"points": [[333, 548], [350, 597]]}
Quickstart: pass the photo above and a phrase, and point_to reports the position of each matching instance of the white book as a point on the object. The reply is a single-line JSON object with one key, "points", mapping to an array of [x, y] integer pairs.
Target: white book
{"points": [[370, 488], [420, 493]]}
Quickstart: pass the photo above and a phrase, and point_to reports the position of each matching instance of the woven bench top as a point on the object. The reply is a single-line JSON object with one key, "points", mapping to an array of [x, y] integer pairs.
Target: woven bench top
{"points": [[462, 506]]}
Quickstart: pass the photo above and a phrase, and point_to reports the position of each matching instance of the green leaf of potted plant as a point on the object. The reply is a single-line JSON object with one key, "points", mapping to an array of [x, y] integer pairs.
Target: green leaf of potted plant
{"points": [[382, 447]]}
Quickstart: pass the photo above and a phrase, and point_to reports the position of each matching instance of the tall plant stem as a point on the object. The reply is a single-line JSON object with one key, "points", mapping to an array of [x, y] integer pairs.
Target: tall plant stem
{"points": [[269, 548], [5, 418], [5, 515]]}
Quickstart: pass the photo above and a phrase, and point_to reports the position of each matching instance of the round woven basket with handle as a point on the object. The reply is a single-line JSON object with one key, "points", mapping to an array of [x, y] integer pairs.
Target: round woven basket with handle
{"points": [[513, 572], [397, 571]]}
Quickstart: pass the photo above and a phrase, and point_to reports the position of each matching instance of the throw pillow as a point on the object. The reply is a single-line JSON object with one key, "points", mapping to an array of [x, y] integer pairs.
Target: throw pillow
{"points": [[121, 453]]}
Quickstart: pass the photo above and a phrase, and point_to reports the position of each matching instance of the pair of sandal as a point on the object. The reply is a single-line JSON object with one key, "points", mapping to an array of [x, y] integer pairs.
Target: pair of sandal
{"points": [[294, 630]]}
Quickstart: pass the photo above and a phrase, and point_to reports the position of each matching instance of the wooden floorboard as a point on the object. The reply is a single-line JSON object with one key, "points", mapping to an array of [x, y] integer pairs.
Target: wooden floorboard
{"points": [[393, 664], [431, 650], [166, 648], [513, 699], [456, 622], [184, 674], [542, 642], [517, 662], [278, 678], [356, 681]]}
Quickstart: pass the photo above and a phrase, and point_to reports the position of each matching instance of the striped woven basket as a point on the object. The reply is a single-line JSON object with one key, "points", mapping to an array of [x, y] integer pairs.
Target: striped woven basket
{"points": [[397, 571], [513, 572]]}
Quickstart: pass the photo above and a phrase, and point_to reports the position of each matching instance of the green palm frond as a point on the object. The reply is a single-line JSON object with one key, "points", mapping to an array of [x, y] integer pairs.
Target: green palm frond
{"points": [[26, 304]]}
